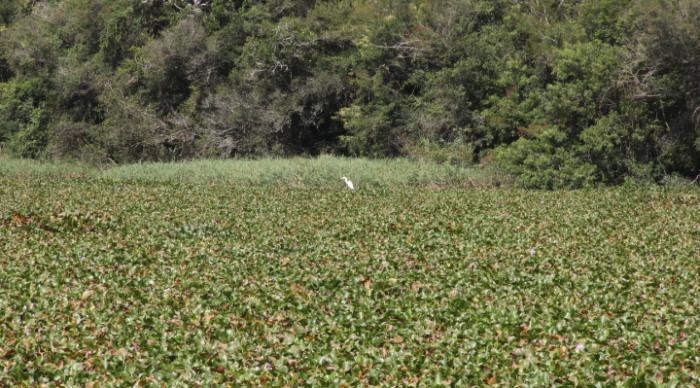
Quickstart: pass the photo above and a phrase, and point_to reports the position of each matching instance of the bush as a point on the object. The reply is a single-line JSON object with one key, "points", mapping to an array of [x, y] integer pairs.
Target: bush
{"points": [[545, 162], [453, 153]]}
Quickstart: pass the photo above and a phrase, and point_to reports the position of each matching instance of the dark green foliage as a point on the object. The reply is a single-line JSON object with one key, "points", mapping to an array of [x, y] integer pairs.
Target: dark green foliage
{"points": [[608, 88], [8, 10]]}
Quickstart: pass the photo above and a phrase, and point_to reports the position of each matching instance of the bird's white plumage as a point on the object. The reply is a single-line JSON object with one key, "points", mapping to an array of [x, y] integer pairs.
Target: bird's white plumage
{"points": [[348, 183]]}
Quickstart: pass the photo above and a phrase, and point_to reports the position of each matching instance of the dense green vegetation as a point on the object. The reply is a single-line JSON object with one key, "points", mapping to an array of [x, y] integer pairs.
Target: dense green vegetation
{"points": [[104, 281], [557, 93], [297, 172]]}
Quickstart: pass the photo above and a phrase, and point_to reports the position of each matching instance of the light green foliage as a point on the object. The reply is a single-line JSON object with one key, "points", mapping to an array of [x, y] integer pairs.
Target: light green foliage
{"points": [[32, 168], [606, 144], [297, 172], [584, 85], [606, 20], [319, 172], [210, 282], [453, 153], [545, 162], [323, 171]]}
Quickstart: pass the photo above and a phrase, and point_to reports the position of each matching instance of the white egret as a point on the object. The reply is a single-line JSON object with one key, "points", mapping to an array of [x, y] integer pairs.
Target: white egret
{"points": [[348, 183]]}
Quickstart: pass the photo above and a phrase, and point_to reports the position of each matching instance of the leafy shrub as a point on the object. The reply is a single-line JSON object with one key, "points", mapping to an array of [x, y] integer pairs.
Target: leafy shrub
{"points": [[453, 153], [545, 162]]}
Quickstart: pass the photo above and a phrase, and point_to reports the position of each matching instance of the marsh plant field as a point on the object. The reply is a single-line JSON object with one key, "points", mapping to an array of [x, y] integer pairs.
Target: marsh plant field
{"points": [[187, 275]]}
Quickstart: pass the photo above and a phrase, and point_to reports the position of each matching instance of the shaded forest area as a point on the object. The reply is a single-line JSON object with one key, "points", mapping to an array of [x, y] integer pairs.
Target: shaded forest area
{"points": [[557, 93]]}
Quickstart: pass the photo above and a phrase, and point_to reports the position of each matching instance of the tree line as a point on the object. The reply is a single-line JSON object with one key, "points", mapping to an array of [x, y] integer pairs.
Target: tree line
{"points": [[557, 93]]}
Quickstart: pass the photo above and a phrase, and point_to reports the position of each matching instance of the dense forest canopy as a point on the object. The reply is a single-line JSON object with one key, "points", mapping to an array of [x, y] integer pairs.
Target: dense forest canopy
{"points": [[558, 93]]}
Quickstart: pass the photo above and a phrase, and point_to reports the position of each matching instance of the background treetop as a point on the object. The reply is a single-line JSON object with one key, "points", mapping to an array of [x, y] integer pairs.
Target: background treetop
{"points": [[556, 93]]}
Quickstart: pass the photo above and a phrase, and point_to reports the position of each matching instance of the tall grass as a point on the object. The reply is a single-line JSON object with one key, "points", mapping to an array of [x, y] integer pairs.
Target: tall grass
{"points": [[308, 172], [15, 167], [298, 171]]}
